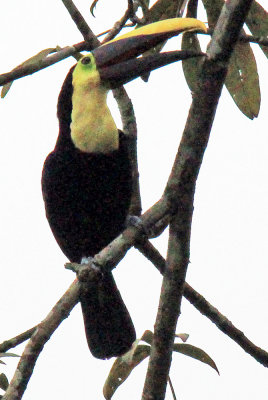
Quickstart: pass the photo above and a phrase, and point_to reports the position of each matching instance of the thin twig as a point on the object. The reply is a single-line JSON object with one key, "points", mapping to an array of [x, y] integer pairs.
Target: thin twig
{"points": [[254, 39], [261, 40], [109, 30], [15, 341], [225, 325], [37, 341], [25, 70], [81, 23], [120, 24], [172, 389], [181, 8], [145, 11], [195, 298], [130, 129], [207, 309]]}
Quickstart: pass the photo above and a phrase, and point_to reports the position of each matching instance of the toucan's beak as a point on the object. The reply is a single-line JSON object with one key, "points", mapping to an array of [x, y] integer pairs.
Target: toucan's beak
{"points": [[116, 60]]}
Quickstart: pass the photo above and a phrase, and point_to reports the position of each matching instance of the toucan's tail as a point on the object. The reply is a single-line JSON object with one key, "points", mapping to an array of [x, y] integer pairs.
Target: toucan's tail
{"points": [[109, 329]]}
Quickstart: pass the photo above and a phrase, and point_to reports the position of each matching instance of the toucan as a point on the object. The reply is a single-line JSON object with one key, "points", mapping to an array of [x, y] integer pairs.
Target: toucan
{"points": [[87, 178]]}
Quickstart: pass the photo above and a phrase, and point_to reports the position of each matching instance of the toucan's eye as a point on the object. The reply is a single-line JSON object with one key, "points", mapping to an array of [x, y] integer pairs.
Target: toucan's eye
{"points": [[86, 60]]}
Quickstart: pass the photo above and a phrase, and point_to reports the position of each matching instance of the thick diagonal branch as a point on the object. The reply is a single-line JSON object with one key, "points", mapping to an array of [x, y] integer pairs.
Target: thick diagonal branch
{"points": [[35, 345], [180, 190]]}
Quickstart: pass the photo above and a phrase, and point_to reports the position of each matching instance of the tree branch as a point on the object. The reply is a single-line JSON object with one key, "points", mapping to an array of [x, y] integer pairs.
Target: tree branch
{"points": [[195, 298], [37, 341], [145, 11], [81, 24], [130, 129], [181, 8], [120, 24], [225, 325], [261, 40], [91, 41], [207, 309], [107, 258], [15, 341], [189, 152], [25, 70], [181, 186]]}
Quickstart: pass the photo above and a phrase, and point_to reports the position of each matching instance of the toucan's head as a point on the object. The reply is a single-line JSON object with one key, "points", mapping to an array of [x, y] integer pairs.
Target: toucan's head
{"points": [[116, 63], [82, 107]]}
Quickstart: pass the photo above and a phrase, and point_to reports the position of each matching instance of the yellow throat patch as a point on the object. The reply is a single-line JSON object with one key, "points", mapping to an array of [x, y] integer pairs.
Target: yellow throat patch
{"points": [[93, 129]]}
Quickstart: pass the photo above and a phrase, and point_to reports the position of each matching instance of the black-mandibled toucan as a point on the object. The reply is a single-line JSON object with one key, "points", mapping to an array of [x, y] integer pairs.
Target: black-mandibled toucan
{"points": [[87, 180]]}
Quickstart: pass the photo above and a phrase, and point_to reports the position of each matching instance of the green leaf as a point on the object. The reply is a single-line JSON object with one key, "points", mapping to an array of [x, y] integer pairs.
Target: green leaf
{"points": [[8, 355], [5, 89], [257, 22], [3, 382], [148, 336], [190, 42], [195, 352], [192, 65], [213, 9], [122, 367], [39, 56], [242, 80], [163, 9], [32, 60]]}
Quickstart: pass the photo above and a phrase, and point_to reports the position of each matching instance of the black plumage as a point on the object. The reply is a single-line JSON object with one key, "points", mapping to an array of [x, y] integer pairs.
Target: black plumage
{"points": [[87, 197]]}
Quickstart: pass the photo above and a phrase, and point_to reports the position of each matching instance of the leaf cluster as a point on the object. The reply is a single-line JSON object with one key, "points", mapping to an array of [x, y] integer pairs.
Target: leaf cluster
{"points": [[3, 378], [124, 365], [242, 80]]}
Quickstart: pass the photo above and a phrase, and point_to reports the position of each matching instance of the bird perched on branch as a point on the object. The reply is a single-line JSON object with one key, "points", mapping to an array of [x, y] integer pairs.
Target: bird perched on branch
{"points": [[87, 179]]}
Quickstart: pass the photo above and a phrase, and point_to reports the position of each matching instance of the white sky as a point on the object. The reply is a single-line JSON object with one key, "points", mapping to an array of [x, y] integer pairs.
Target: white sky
{"points": [[230, 226]]}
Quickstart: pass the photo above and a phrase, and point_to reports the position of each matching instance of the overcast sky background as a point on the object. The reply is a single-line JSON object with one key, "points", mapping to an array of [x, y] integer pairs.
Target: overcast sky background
{"points": [[230, 226]]}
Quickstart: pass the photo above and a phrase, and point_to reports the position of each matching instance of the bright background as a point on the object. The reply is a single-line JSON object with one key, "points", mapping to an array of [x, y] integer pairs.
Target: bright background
{"points": [[230, 227]]}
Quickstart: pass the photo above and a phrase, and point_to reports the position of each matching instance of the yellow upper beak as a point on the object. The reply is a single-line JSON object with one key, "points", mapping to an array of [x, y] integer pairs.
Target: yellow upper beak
{"points": [[116, 60], [170, 27]]}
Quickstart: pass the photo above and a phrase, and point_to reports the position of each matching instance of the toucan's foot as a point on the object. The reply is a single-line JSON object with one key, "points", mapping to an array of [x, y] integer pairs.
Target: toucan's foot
{"points": [[133, 220], [159, 227], [89, 270], [86, 260], [90, 261]]}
